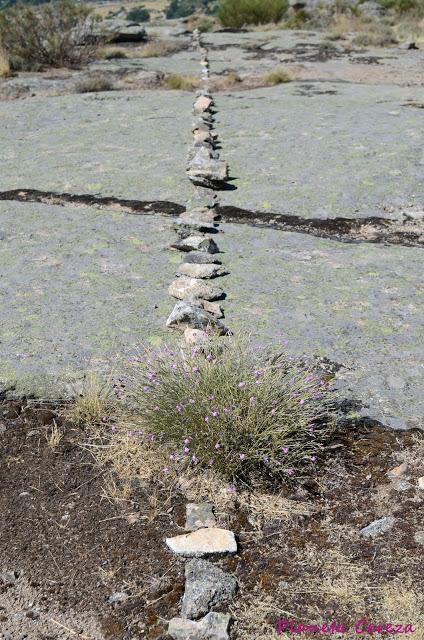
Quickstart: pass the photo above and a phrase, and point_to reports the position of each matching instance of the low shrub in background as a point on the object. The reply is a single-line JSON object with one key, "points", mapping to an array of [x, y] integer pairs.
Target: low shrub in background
{"points": [[138, 14], [278, 75], [4, 64], [94, 85], [238, 13], [184, 8], [56, 34], [235, 409], [179, 82]]}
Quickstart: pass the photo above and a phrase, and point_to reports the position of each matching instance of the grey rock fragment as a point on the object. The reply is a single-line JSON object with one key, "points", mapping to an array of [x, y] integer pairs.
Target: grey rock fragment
{"points": [[186, 314], [202, 214], [213, 307], [118, 596], [214, 626], [185, 286], [200, 257], [193, 227], [206, 587], [196, 243], [199, 515], [202, 271], [419, 537], [378, 526]]}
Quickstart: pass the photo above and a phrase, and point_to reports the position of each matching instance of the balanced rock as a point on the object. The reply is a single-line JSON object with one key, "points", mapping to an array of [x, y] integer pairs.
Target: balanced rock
{"points": [[203, 197], [185, 286], [196, 243], [187, 314], [203, 271], [203, 542], [198, 515], [203, 103], [206, 586], [200, 257], [207, 174], [213, 307], [202, 136], [202, 214], [214, 626], [378, 526]]}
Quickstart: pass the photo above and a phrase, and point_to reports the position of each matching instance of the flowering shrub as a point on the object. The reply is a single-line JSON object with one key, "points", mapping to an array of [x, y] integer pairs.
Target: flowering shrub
{"points": [[232, 408]]}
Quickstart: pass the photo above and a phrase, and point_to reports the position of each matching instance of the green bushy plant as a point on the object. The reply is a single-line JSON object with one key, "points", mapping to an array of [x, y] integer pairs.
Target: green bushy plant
{"points": [[237, 13], [56, 34], [138, 14], [238, 410]]}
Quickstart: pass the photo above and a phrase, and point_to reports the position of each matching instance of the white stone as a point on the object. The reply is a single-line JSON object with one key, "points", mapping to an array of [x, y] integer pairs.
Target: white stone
{"points": [[203, 542]]}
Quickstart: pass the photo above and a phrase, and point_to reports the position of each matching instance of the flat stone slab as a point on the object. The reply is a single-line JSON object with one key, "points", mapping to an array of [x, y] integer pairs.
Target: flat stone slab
{"points": [[203, 542], [79, 289], [378, 527], [361, 305]]}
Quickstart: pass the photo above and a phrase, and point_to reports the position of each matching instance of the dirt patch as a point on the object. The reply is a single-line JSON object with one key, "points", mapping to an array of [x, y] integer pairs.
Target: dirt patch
{"points": [[68, 546]]}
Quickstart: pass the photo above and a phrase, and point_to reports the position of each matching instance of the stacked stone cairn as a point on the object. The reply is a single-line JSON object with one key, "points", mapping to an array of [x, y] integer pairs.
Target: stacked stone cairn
{"points": [[207, 586], [198, 314], [199, 311]]}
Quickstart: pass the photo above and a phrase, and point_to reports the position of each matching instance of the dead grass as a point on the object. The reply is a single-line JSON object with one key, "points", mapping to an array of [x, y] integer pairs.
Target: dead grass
{"points": [[93, 405], [401, 600], [4, 64], [157, 49], [279, 75], [179, 82], [381, 37], [54, 436], [94, 85]]}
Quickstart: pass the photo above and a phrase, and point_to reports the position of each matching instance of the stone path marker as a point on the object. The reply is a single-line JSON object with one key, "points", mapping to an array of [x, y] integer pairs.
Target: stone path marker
{"points": [[214, 626], [199, 515], [197, 226], [206, 586], [203, 542]]}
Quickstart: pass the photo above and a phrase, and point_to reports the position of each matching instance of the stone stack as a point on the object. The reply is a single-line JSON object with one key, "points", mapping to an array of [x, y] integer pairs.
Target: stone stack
{"points": [[206, 585], [198, 313]]}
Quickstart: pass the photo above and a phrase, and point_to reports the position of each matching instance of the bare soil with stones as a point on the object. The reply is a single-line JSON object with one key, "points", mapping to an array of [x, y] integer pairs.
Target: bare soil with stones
{"points": [[78, 561]]}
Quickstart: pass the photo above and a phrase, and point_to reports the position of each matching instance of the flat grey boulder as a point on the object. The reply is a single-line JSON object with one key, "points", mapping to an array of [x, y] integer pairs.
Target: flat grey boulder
{"points": [[200, 257], [186, 314], [185, 286], [118, 30], [196, 243], [199, 515], [203, 542], [378, 526], [206, 586], [214, 626], [202, 271], [209, 173]]}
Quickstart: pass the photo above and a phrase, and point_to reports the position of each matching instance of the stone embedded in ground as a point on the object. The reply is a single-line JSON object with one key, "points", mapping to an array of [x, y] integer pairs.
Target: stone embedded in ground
{"points": [[203, 542], [185, 286], [198, 515], [378, 526], [203, 103], [196, 243], [421, 482], [195, 337], [213, 307], [187, 314], [200, 257], [202, 271], [206, 586], [399, 471], [118, 596], [419, 537], [214, 626]]}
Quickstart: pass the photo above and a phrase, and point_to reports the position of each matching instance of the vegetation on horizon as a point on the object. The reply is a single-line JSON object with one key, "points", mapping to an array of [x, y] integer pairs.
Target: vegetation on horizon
{"points": [[238, 13], [57, 34]]}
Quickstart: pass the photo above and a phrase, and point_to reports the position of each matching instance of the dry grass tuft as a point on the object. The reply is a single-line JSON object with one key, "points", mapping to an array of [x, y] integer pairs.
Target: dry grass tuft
{"points": [[54, 436], [157, 49], [177, 81], [279, 75], [94, 405], [113, 54], [381, 36], [94, 85], [402, 601]]}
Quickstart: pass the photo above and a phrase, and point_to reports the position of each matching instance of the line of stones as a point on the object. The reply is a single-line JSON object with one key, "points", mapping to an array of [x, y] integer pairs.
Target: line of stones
{"points": [[199, 312]]}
